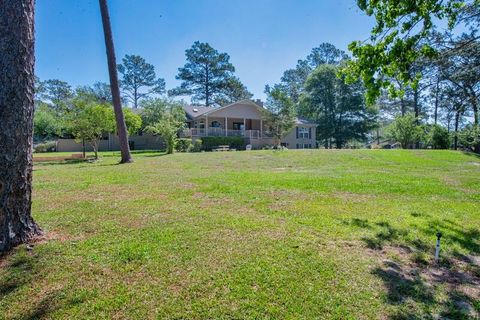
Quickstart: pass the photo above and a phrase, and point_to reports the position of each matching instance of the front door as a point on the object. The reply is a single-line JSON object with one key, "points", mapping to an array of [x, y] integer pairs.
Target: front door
{"points": [[238, 126]]}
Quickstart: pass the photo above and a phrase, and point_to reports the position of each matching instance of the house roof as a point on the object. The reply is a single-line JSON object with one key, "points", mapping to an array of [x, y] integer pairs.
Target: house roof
{"points": [[195, 111], [302, 121], [246, 101]]}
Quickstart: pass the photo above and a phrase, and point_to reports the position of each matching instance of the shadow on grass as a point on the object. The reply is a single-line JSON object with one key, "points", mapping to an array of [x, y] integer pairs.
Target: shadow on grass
{"points": [[472, 154], [413, 282], [20, 271], [60, 162]]}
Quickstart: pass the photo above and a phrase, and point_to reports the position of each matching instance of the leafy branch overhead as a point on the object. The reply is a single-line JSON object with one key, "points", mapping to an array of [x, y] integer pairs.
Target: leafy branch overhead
{"points": [[399, 39]]}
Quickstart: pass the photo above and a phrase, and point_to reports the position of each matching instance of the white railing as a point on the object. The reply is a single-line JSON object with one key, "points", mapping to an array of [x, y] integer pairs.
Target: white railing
{"points": [[220, 132]]}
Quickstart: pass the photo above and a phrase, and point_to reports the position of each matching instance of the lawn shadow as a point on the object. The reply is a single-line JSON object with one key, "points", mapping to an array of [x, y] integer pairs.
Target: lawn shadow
{"points": [[155, 155], [60, 162], [471, 154], [21, 271], [413, 280]]}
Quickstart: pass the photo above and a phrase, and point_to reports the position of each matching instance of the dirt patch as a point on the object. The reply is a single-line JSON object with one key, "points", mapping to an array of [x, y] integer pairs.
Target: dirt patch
{"points": [[409, 279]]}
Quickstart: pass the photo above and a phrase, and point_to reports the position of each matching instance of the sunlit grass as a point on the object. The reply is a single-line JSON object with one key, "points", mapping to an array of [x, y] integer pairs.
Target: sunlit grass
{"points": [[292, 234]]}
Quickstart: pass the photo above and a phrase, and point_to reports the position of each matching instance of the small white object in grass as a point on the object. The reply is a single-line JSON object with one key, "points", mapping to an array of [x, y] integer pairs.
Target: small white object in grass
{"points": [[437, 249]]}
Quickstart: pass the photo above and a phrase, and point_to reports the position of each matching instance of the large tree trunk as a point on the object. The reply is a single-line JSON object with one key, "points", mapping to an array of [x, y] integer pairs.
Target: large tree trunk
{"points": [[455, 139], [436, 101], [16, 122], [112, 70]]}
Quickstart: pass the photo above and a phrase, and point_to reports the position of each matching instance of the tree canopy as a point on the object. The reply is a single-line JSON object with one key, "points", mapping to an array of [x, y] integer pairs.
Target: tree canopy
{"points": [[338, 108], [139, 80], [280, 116], [400, 37], [208, 77]]}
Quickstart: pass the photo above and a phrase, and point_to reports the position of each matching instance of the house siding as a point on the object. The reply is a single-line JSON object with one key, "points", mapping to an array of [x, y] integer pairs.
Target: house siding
{"points": [[292, 142]]}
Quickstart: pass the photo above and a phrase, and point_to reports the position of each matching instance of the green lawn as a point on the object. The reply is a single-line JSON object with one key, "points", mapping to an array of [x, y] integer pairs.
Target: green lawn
{"points": [[252, 235]]}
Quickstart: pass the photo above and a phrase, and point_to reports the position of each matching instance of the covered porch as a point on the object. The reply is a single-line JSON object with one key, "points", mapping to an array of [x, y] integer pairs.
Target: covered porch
{"points": [[205, 126]]}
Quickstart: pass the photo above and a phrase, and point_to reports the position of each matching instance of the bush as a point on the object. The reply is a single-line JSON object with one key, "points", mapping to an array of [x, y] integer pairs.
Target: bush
{"points": [[234, 142], [48, 146], [439, 137], [405, 130], [183, 145], [470, 138], [197, 146]]}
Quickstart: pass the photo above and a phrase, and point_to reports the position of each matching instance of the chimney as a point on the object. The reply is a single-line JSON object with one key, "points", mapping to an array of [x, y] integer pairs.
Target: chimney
{"points": [[259, 102]]}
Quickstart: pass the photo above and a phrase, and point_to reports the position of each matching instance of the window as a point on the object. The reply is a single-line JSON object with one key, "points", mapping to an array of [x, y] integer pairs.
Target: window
{"points": [[216, 124], [303, 133]]}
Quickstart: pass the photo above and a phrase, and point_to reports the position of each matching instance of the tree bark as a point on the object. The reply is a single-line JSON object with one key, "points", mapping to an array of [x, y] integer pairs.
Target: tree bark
{"points": [[436, 101], [455, 139], [17, 61], [112, 70]]}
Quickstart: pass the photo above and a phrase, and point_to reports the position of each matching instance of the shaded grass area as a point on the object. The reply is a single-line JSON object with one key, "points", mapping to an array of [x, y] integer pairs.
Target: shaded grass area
{"points": [[276, 235]]}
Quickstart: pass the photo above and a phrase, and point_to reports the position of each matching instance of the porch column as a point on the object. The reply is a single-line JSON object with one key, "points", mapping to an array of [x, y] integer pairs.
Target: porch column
{"points": [[206, 126], [226, 127], [244, 126], [261, 128]]}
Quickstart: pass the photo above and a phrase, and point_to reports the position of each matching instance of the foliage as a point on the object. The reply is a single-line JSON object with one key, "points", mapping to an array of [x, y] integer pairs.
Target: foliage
{"points": [[57, 93], [152, 110], [208, 76], [405, 130], [398, 40], [197, 145], [233, 91], [210, 143], [48, 146], [89, 122], [280, 116], [46, 122], [133, 121], [469, 137], [139, 80], [168, 126], [438, 137], [99, 92], [338, 108], [293, 80], [184, 145], [458, 66]]}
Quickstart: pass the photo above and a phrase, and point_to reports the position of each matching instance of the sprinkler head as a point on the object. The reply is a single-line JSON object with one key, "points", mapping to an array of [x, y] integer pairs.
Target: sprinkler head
{"points": [[439, 235]]}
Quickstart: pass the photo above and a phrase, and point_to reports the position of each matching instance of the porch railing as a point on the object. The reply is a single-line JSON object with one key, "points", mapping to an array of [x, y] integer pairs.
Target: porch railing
{"points": [[220, 132]]}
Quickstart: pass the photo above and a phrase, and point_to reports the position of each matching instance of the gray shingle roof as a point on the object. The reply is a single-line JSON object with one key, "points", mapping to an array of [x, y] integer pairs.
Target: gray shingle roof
{"points": [[195, 111]]}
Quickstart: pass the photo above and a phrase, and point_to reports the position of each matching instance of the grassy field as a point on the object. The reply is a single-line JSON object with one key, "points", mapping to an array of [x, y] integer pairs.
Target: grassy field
{"points": [[243, 235]]}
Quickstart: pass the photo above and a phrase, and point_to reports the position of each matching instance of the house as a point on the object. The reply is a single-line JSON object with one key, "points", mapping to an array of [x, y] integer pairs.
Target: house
{"points": [[241, 119], [244, 119]]}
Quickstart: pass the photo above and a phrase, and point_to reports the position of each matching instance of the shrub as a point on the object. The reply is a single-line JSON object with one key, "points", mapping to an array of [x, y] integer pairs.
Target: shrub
{"points": [[439, 137], [405, 130], [48, 146], [197, 146], [234, 142], [183, 145], [470, 138]]}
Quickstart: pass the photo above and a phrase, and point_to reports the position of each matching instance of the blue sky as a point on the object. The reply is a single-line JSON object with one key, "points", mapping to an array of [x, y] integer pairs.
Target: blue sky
{"points": [[262, 37]]}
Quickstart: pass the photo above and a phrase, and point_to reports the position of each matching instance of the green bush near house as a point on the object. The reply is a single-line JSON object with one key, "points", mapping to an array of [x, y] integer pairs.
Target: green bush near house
{"points": [[48, 146], [184, 145], [210, 143], [197, 145]]}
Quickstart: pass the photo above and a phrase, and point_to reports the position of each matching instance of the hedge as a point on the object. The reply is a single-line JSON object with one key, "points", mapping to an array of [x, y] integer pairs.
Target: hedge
{"points": [[210, 143]]}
